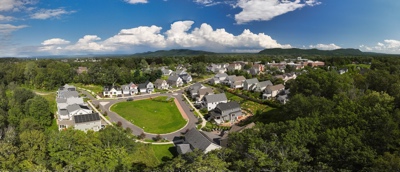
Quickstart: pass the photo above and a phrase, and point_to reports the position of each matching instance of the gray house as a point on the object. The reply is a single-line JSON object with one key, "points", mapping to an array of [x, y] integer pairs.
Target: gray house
{"points": [[194, 139], [261, 86], [250, 84], [175, 81], [146, 87], [226, 112]]}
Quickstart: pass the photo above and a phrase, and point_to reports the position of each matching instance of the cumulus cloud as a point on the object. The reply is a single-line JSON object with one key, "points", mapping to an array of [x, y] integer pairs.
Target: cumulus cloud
{"points": [[325, 46], [8, 28], [55, 41], [136, 1], [179, 35], [264, 10], [388, 46], [142, 35], [89, 43], [49, 13], [6, 18], [206, 2], [15, 5]]}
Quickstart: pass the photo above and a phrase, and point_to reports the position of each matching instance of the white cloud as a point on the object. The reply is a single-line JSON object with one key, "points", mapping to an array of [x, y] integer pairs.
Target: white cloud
{"points": [[49, 13], [15, 5], [390, 46], [264, 10], [142, 35], [136, 1], [6, 18], [8, 28], [325, 46], [206, 2], [180, 35], [89, 43]]}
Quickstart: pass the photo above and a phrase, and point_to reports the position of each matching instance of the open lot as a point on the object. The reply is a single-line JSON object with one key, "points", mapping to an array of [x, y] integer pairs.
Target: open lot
{"points": [[157, 115]]}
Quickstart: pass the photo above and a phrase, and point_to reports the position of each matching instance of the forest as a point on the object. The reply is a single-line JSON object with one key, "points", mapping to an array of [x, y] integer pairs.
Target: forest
{"points": [[333, 122]]}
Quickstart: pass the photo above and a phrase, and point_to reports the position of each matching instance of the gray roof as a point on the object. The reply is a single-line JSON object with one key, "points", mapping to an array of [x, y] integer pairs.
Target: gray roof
{"points": [[252, 81], [239, 78], [231, 77], [204, 91], [173, 78], [264, 84], [86, 118], [253, 71], [159, 81], [144, 85], [61, 100], [67, 94], [227, 106], [183, 148], [276, 87], [186, 77], [75, 107], [195, 87], [197, 140], [221, 75], [108, 88], [63, 112], [215, 98]]}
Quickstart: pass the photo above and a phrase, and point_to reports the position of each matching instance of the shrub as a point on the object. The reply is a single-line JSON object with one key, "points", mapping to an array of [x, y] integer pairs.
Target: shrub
{"points": [[142, 136], [119, 124], [158, 138], [128, 130]]}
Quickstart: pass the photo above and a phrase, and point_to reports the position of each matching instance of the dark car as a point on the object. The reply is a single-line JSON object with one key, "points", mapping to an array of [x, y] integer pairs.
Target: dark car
{"points": [[129, 99]]}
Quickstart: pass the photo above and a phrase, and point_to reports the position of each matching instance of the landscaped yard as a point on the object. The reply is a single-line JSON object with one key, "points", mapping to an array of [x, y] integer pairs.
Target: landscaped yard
{"points": [[152, 115], [247, 104]]}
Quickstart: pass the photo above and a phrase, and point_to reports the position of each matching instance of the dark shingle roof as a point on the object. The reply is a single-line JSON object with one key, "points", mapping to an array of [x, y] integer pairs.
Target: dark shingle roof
{"points": [[183, 148], [196, 139], [252, 81], [86, 118], [173, 78], [227, 106]]}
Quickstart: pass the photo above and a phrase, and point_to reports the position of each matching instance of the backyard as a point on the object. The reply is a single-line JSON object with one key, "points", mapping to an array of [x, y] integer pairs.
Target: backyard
{"points": [[158, 115], [154, 155]]}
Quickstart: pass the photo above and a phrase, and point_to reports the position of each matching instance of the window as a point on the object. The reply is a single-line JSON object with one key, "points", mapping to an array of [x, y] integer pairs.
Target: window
{"points": [[62, 126]]}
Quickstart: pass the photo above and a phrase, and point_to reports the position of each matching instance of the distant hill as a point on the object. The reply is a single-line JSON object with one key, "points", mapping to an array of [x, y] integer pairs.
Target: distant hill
{"points": [[172, 53], [300, 52]]}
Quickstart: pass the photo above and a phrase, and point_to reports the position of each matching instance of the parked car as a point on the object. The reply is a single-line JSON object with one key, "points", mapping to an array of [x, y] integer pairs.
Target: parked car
{"points": [[129, 99]]}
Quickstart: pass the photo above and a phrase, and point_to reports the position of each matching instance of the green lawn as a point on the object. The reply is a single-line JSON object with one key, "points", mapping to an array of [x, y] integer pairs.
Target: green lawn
{"points": [[247, 104], [153, 116], [95, 88], [154, 155]]}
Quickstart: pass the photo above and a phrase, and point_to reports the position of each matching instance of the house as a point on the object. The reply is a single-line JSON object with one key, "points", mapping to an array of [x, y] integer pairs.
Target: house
{"points": [[259, 67], [175, 81], [214, 81], [194, 139], [224, 141], [229, 111], [166, 71], [343, 71], [237, 82], [81, 70], [234, 66], [129, 89], [67, 94], [273, 91], [221, 76], [283, 98], [216, 68], [194, 89], [229, 79], [110, 91], [286, 77], [203, 92], [180, 72], [186, 78], [66, 87], [87, 122], [146, 87], [253, 71], [211, 101], [161, 84], [250, 84], [261, 86], [77, 109]]}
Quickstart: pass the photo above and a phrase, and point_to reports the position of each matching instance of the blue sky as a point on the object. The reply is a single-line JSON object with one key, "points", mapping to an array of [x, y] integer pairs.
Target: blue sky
{"points": [[74, 27]]}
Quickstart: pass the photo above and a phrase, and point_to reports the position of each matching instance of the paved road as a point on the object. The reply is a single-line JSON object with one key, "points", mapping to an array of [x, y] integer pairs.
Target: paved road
{"points": [[136, 130]]}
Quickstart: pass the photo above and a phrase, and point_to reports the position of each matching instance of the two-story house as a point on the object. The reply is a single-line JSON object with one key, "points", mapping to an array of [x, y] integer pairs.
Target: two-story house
{"points": [[146, 87], [211, 101], [273, 90], [110, 91], [250, 84], [223, 112], [175, 81], [161, 84]]}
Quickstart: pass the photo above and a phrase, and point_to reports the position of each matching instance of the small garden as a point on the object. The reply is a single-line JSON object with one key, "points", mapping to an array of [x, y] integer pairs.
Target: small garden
{"points": [[158, 115]]}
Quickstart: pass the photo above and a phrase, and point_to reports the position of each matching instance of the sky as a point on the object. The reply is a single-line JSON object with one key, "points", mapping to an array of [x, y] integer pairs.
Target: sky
{"points": [[80, 27]]}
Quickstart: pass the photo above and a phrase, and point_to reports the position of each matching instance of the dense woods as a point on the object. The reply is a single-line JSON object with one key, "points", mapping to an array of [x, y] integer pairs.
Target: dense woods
{"points": [[333, 122]]}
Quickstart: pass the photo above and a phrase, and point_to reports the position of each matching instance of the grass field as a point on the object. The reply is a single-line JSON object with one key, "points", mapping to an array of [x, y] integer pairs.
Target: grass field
{"points": [[153, 116], [247, 104], [153, 155], [95, 88]]}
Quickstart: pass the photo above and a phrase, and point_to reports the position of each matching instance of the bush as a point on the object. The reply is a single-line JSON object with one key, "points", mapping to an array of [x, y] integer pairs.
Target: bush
{"points": [[204, 110], [128, 130], [142, 136], [105, 113], [157, 138], [119, 124]]}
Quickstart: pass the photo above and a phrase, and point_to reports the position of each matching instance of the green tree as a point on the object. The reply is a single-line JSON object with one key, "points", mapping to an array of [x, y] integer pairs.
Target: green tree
{"points": [[39, 109]]}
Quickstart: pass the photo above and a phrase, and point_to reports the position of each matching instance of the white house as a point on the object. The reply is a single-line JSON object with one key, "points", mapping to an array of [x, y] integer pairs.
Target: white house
{"points": [[211, 101], [161, 84], [87, 122], [110, 91], [273, 91]]}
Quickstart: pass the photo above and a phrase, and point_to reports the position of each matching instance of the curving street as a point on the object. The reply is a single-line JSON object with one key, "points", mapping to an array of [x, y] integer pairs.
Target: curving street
{"points": [[105, 105]]}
